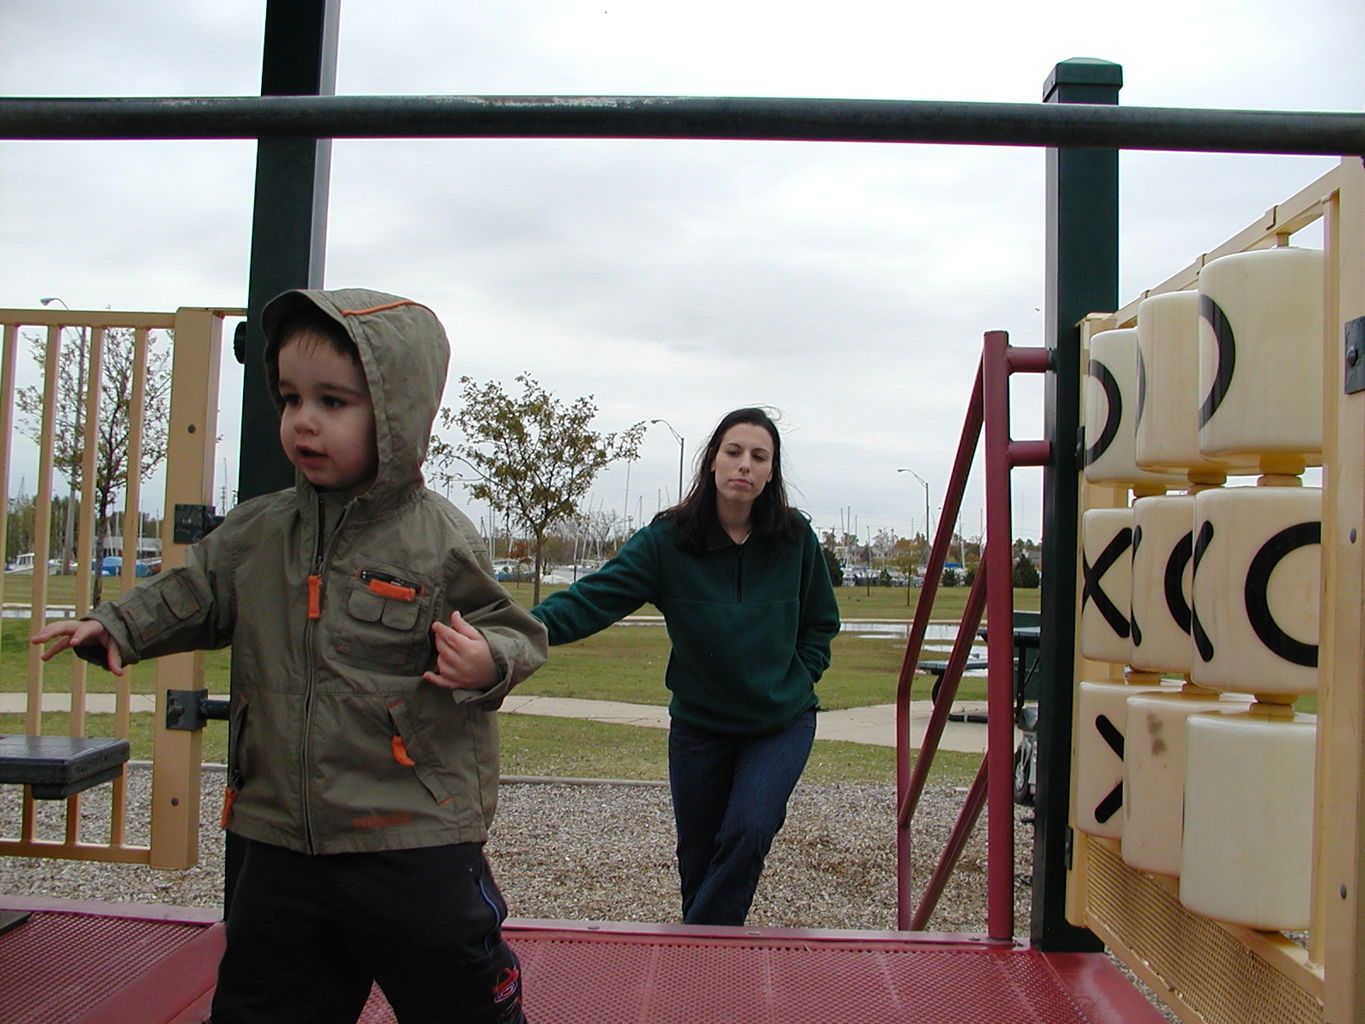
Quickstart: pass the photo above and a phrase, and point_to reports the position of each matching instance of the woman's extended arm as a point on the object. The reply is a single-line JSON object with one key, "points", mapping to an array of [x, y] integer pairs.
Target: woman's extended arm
{"points": [[621, 586]]}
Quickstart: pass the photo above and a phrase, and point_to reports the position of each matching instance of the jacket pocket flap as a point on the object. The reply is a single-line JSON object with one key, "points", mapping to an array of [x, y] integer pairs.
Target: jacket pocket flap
{"points": [[422, 761], [179, 597], [399, 614], [365, 606]]}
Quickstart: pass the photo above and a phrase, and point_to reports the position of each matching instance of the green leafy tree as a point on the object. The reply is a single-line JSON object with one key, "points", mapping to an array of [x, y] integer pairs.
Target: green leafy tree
{"points": [[20, 536], [534, 455], [1025, 573], [836, 571], [906, 560], [113, 423]]}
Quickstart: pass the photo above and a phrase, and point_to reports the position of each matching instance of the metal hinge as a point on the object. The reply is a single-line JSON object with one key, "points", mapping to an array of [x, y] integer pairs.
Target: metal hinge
{"points": [[188, 710], [194, 522], [1355, 355]]}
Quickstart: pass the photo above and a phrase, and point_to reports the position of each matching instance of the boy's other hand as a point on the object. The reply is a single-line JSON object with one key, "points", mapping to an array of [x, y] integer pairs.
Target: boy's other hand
{"points": [[79, 633], [463, 658]]}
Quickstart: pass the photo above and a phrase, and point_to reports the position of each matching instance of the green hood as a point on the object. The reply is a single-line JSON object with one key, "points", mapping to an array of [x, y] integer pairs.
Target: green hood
{"points": [[404, 353]]}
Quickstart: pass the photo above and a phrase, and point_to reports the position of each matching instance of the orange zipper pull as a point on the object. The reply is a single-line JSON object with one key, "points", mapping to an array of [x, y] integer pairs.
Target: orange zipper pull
{"points": [[400, 752], [386, 589], [315, 597]]}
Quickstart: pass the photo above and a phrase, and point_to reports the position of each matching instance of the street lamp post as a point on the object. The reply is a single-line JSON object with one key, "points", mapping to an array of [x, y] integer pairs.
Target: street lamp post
{"points": [[680, 457], [492, 521], [451, 478], [927, 526]]}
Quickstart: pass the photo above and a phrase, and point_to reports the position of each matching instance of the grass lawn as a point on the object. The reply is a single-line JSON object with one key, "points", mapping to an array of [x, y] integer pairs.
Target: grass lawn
{"points": [[623, 663], [535, 745]]}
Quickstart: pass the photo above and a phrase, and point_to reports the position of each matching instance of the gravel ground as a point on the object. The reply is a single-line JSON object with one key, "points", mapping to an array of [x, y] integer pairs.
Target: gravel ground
{"points": [[606, 853], [593, 852], [597, 852]]}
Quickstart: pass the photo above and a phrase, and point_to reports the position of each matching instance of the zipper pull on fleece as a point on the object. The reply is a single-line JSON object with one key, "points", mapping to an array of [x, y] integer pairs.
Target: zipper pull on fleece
{"points": [[315, 596]]}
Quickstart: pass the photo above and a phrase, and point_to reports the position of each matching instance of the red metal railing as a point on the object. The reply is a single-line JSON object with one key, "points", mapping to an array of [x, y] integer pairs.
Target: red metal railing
{"points": [[992, 593]]}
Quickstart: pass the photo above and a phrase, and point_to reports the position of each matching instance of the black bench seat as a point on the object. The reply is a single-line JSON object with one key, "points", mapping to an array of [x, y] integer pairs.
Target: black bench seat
{"points": [[56, 767], [938, 669]]}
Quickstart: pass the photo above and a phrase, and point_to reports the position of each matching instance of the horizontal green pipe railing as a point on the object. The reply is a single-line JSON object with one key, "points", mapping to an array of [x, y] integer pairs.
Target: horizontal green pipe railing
{"points": [[625, 117]]}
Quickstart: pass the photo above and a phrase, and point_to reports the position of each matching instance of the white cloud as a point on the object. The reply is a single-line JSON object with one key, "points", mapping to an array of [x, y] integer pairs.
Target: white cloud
{"points": [[847, 285]]}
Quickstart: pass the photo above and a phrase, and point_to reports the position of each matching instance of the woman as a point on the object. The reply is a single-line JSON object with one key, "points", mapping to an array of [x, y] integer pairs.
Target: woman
{"points": [[746, 596]]}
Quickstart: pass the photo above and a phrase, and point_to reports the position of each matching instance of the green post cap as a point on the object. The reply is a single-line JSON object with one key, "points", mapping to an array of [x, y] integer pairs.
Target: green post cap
{"points": [[1083, 71]]}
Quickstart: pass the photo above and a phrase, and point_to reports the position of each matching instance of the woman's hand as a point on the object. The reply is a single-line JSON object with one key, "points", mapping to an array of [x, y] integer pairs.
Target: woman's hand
{"points": [[79, 633], [464, 660]]}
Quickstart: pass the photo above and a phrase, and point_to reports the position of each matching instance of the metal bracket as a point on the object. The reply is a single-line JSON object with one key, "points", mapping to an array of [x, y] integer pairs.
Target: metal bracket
{"points": [[188, 710], [1355, 355], [194, 522]]}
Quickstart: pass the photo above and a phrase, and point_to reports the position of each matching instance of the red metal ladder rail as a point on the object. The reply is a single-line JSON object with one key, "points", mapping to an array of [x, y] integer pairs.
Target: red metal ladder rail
{"points": [[992, 593]]}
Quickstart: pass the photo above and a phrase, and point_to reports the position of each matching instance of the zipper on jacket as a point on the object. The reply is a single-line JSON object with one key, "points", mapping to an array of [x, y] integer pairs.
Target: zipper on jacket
{"points": [[739, 574], [314, 596], [314, 613]]}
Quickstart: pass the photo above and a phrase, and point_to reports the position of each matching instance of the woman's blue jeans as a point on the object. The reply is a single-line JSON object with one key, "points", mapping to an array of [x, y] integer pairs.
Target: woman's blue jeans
{"points": [[729, 800]]}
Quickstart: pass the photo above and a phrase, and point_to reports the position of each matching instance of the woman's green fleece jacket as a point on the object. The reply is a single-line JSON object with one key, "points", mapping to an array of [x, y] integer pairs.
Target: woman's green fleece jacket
{"points": [[750, 624]]}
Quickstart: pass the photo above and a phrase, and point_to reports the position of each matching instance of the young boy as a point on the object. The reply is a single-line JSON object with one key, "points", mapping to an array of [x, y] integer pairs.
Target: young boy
{"points": [[363, 747]]}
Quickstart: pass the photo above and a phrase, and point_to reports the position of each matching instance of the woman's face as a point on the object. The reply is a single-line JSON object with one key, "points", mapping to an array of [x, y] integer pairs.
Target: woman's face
{"points": [[744, 464]]}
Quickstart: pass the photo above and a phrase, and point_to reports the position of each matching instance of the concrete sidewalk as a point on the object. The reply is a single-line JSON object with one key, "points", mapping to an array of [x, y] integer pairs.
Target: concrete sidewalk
{"points": [[875, 725]]}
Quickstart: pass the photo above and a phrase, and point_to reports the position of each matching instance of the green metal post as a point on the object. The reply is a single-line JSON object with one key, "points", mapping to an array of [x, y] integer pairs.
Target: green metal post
{"points": [[289, 226], [288, 240], [1082, 278]]}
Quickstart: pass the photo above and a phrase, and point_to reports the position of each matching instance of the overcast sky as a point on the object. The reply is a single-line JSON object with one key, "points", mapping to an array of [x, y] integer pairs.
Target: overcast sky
{"points": [[848, 286]]}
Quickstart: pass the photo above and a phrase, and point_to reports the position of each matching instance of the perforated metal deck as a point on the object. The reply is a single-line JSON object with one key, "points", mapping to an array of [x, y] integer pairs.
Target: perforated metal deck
{"points": [[97, 964], [670, 975]]}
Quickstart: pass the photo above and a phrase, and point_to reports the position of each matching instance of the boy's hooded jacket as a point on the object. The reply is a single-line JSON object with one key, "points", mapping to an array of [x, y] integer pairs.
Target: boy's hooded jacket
{"points": [[336, 743]]}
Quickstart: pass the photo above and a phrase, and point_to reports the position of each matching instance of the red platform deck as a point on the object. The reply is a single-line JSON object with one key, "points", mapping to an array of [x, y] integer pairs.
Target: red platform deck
{"points": [[115, 964]]}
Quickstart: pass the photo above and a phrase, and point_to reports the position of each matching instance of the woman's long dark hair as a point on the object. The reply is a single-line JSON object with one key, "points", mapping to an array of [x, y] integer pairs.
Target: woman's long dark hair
{"points": [[772, 517]]}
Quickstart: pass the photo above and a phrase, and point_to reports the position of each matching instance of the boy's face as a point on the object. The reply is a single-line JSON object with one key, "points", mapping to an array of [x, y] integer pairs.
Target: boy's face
{"points": [[327, 427]]}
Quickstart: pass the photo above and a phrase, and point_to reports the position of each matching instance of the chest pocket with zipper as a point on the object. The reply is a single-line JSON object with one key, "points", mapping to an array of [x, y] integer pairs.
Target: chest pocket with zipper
{"points": [[386, 621]]}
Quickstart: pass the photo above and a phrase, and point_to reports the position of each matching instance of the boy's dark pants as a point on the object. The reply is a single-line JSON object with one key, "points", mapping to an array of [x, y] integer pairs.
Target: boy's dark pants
{"points": [[307, 935]]}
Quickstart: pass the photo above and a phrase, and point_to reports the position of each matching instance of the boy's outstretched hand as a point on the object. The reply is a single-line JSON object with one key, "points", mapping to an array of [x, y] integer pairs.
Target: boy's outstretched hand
{"points": [[79, 633], [463, 658]]}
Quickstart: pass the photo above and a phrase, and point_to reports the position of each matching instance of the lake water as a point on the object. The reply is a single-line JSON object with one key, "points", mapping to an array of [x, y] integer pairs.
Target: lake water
{"points": [[939, 636]]}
